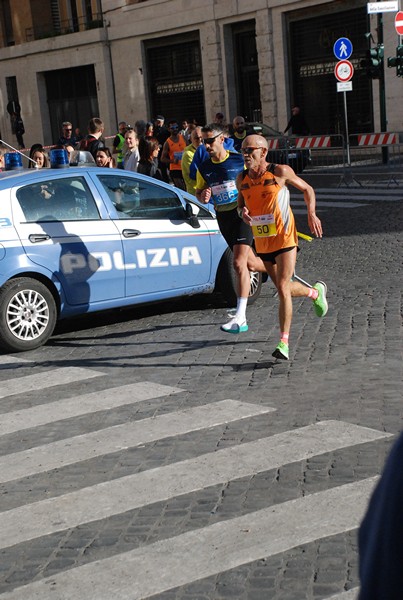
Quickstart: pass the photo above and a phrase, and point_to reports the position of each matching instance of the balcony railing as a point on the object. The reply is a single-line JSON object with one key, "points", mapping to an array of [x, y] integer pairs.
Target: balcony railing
{"points": [[64, 28]]}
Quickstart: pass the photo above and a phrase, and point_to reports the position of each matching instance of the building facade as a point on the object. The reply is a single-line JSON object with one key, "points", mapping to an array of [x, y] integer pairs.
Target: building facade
{"points": [[130, 59]]}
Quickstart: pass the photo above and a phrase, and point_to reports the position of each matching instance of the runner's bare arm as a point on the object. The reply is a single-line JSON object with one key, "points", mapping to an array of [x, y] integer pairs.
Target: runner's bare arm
{"points": [[203, 191], [289, 177], [203, 195], [165, 154], [243, 212]]}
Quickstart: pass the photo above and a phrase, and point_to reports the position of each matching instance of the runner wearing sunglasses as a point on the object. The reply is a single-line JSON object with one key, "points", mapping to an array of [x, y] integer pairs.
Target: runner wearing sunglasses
{"points": [[264, 204], [215, 180]]}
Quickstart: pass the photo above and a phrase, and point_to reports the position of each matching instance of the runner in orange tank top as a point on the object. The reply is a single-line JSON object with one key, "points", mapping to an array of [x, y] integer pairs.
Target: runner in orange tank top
{"points": [[172, 153], [264, 203]]}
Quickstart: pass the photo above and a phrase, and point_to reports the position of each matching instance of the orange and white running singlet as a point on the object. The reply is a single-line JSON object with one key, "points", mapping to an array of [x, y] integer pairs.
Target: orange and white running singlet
{"points": [[273, 223], [176, 148]]}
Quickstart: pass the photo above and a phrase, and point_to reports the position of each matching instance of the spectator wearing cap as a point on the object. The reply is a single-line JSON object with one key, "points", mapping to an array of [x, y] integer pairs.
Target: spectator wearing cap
{"points": [[160, 131], [162, 134]]}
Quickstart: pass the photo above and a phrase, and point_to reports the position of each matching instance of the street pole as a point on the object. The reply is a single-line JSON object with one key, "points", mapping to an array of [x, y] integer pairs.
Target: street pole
{"points": [[346, 129], [382, 94]]}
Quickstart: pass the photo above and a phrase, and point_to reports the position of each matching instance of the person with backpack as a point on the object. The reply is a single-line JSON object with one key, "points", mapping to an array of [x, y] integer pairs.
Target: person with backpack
{"points": [[93, 141]]}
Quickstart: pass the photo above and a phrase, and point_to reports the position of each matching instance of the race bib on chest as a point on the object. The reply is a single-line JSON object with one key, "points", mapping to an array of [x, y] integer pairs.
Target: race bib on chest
{"points": [[263, 226], [224, 193]]}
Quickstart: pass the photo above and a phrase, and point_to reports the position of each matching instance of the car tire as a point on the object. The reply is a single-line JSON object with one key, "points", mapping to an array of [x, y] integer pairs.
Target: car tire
{"points": [[226, 280], [28, 314]]}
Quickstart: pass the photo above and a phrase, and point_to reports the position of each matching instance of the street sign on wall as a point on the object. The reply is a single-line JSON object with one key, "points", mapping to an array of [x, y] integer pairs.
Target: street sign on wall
{"points": [[380, 7]]}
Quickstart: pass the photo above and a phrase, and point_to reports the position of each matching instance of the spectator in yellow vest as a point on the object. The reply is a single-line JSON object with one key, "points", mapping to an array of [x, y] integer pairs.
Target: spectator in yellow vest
{"points": [[196, 139], [118, 144]]}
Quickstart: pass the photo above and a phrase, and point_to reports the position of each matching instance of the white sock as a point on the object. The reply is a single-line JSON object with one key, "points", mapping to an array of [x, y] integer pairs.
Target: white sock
{"points": [[241, 309]]}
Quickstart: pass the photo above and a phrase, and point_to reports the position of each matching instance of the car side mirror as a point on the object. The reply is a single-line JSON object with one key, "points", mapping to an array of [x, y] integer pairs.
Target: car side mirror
{"points": [[193, 220]]}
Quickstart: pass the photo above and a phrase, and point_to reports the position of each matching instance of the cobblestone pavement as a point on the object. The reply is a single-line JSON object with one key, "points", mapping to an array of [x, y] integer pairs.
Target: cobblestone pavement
{"points": [[144, 453]]}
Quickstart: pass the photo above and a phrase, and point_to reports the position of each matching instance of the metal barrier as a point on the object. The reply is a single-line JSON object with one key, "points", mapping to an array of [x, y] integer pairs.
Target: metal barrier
{"points": [[372, 157], [379, 155], [364, 159], [319, 154]]}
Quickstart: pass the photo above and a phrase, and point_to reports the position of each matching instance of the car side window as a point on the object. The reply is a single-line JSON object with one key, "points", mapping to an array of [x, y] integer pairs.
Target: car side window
{"points": [[138, 199], [68, 199]]}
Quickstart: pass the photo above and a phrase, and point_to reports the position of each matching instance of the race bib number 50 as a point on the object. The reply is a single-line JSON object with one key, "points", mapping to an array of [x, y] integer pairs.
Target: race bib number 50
{"points": [[224, 193], [263, 226]]}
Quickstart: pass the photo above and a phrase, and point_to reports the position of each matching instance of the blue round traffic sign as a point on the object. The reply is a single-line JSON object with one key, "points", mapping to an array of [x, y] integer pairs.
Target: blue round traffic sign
{"points": [[343, 48]]}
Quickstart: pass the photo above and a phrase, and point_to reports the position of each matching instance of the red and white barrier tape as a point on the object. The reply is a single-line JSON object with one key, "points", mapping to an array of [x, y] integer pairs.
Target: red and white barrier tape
{"points": [[320, 141], [377, 139]]}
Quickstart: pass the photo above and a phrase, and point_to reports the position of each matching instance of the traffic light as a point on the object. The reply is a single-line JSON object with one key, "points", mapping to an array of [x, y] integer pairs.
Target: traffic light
{"points": [[397, 61], [373, 62]]}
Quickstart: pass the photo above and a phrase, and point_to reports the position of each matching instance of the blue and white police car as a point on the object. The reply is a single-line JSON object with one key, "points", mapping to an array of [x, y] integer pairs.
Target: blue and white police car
{"points": [[81, 239]]}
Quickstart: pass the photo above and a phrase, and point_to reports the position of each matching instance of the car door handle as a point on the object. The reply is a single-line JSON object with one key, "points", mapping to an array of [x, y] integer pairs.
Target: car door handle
{"points": [[38, 237], [128, 233]]}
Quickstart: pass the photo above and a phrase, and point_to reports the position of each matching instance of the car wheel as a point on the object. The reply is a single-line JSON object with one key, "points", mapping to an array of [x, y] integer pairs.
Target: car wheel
{"points": [[226, 280], [27, 314]]}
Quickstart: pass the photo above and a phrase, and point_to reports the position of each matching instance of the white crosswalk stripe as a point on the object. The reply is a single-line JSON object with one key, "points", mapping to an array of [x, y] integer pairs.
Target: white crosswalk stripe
{"points": [[349, 595], [188, 556], [209, 551], [6, 360], [347, 198], [47, 379], [120, 437], [81, 405], [109, 498]]}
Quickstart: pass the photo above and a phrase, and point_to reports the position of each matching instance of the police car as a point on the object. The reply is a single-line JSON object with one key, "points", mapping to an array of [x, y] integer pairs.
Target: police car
{"points": [[81, 239]]}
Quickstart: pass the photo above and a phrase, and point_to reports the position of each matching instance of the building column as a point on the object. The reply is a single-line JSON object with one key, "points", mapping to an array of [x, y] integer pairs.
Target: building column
{"points": [[267, 79], [214, 93]]}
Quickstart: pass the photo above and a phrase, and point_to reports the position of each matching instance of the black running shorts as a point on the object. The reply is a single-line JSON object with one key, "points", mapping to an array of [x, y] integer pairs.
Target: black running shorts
{"points": [[234, 229]]}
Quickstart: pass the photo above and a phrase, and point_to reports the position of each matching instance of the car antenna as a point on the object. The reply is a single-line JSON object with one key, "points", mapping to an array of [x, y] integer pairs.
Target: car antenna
{"points": [[15, 150]]}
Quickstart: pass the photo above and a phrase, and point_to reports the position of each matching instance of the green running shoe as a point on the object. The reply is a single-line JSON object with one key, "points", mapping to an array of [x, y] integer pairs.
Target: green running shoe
{"points": [[320, 304], [281, 351]]}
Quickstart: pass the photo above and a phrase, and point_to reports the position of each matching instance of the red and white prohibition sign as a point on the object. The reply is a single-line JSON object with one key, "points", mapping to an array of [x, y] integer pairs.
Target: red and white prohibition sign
{"points": [[344, 70], [399, 22]]}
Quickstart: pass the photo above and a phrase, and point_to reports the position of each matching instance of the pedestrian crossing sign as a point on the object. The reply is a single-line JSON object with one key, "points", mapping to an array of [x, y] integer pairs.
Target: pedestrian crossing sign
{"points": [[343, 49]]}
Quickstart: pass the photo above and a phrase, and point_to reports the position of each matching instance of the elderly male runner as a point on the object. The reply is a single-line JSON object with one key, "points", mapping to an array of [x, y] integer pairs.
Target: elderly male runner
{"points": [[264, 203], [215, 180]]}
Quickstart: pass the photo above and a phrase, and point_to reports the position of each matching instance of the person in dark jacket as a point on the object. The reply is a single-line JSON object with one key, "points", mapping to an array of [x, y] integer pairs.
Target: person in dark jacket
{"points": [[93, 141], [67, 138], [19, 128], [297, 123], [148, 163], [381, 534]]}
